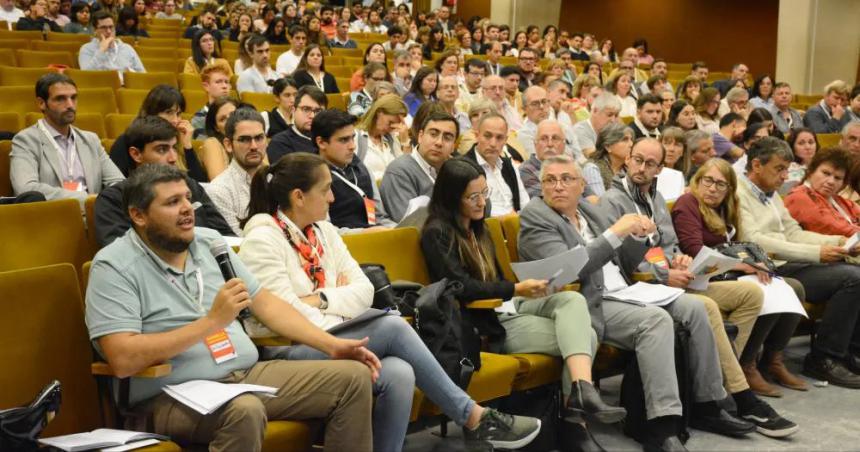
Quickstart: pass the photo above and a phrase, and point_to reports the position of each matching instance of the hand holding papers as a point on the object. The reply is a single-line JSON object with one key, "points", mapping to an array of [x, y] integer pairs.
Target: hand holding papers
{"points": [[559, 270], [778, 297], [643, 294], [709, 263], [852, 242], [206, 396]]}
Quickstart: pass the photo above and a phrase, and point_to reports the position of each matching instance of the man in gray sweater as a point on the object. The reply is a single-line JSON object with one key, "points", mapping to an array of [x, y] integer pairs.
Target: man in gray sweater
{"points": [[412, 175]]}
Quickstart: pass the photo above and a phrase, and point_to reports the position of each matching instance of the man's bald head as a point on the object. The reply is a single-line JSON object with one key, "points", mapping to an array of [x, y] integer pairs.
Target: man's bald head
{"points": [[549, 139], [493, 88], [535, 103]]}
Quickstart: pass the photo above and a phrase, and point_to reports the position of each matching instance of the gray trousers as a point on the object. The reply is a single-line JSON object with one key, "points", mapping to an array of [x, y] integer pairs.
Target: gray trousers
{"points": [[648, 331]]}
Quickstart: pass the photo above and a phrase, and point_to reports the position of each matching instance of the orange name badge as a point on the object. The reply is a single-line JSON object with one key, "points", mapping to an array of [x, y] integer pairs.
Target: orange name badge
{"points": [[71, 185], [221, 347], [370, 207], [657, 257]]}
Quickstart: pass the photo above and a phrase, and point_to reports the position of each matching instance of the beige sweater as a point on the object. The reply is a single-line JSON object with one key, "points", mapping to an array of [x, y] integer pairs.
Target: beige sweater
{"points": [[772, 227]]}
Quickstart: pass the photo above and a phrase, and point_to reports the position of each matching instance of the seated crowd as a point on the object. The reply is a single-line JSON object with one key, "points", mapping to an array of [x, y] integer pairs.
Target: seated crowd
{"points": [[640, 174]]}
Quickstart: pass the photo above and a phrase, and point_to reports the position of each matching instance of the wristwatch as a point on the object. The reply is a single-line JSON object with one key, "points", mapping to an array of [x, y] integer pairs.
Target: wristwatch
{"points": [[323, 301]]}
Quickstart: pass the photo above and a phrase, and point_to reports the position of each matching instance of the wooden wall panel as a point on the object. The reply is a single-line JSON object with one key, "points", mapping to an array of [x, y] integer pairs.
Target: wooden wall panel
{"points": [[720, 32], [468, 8]]}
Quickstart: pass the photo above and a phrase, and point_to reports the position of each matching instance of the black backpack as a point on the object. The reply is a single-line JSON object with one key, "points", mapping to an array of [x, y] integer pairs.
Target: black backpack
{"points": [[633, 394]]}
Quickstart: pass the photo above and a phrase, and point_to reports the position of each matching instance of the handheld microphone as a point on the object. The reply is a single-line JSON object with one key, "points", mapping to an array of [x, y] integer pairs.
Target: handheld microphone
{"points": [[220, 250]]}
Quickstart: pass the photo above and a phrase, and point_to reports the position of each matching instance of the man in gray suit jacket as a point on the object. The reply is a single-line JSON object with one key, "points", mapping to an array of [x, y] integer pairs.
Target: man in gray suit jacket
{"points": [[557, 222], [412, 175], [55, 158]]}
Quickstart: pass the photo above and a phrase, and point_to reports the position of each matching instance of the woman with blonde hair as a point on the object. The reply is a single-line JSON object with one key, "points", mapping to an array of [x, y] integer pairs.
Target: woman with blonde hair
{"points": [[709, 215], [707, 105], [380, 132]]}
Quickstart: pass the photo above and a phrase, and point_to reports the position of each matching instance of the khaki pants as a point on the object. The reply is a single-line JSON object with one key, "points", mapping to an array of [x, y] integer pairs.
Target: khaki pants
{"points": [[740, 303], [338, 392]]}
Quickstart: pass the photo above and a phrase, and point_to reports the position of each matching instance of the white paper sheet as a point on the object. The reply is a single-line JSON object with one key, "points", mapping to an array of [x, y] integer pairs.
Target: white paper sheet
{"points": [[415, 204], [559, 270], [709, 263], [852, 241], [103, 437], [778, 297], [643, 294], [132, 446], [206, 396]]}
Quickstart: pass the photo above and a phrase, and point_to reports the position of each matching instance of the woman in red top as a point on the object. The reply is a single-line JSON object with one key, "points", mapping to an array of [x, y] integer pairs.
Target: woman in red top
{"points": [[709, 216], [816, 203]]}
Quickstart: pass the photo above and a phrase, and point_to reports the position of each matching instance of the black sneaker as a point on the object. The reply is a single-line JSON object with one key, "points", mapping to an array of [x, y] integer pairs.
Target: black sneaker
{"points": [[768, 422], [504, 431]]}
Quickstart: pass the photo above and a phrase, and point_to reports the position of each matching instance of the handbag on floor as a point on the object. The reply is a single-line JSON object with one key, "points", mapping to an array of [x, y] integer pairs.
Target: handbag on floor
{"points": [[20, 427]]}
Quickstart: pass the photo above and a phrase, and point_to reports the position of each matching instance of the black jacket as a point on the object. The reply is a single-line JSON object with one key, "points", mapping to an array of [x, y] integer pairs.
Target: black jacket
{"points": [[348, 209], [276, 123], [120, 157], [112, 220], [509, 174], [288, 142], [303, 78], [25, 23]]}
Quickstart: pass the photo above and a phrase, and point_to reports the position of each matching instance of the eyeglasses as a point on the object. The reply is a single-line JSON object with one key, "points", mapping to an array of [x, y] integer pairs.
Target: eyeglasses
{"points": [[539, 103], [105, 27], [475, 198], [566, 181], [247, 139], [551, 139], [649, 164], [710, 182], [308, 110]]}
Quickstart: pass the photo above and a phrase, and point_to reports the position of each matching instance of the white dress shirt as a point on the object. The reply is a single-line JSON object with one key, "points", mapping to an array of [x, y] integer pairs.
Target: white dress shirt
{"points": [[231, 193], [501, 197], [252, 80]]}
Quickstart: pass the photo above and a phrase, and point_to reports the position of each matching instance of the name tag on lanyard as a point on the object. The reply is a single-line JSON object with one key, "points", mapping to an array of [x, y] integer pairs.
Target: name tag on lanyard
{"points": [[369, 204]]}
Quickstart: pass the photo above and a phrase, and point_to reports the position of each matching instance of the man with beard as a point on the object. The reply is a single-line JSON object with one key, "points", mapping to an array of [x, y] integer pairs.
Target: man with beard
{"points": [[55, 158], [732, 127], [649, 114], [327, 24], [151, 139], [245, 140], [156, 295]]}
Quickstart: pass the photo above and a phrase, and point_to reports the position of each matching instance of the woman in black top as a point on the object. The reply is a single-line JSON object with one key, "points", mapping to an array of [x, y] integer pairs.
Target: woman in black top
{"points": [[457, 246], [127, 24], [311, 71]]}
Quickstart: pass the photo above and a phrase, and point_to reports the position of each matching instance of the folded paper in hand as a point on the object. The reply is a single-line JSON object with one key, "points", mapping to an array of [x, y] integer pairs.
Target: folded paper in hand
{"points": [[709, 263], [851, 242], [204, 396], [643, 294], [559, 270], [101, 438]]}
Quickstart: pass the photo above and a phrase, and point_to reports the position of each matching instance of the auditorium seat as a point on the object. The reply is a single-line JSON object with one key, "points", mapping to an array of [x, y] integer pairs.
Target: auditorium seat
{"points": [[10, 121], [42, 233], [81, 39], [130, 100], [7, 57], [338, 101], [5, 182], [56, 46], [107, 144], [14, 43], [159, 64], [116, 123], [342, 84], [826, 140], [94, 79], [29, 35], [353, 53], [91, 122], [260, 101], [158, 42], [194, 99], [21, 76], [147, 80], [190, 81], [145, 52], [19, 99], [35, 58], [97, 100]]}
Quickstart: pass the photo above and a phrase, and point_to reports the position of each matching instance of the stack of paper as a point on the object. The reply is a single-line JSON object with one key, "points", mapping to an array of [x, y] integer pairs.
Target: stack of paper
{"points": [[101, 438], [643, 294], [709, 263], [204, 396], [778, 296]]}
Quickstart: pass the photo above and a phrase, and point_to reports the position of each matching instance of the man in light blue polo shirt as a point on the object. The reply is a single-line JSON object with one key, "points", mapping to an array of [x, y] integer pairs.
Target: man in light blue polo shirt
{"points": [[156, 295]]}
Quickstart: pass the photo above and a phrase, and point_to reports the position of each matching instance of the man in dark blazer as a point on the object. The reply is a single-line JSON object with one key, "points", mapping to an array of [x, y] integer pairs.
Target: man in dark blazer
{"points": [[558, 222], [55, 158]]}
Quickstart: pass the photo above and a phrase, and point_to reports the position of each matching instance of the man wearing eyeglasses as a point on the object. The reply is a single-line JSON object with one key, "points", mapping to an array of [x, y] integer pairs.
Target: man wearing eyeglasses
{"points": [[310, 101], [740, 301], [106, 52], [470, 89], [549, 142], [245, 140], [527, 63]]}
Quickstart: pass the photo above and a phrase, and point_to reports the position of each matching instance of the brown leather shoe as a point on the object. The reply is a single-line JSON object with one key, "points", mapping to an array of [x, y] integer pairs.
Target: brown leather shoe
{"points": [[757, 382], [773, 363]]}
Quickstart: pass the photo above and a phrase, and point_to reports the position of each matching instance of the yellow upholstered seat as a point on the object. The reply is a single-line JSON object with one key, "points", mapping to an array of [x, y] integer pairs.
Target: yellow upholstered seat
{"points": [[7, 57], [260, 101], [536, 370], [160, 64], [56, 46], [339, 71], [130, 100], [97, 100], [94, 79], [338, 101], [826, 140], [35, 58], [21, 76], [342, 84], [116, 124], [147, 80], [494, 380], [10, 121]]}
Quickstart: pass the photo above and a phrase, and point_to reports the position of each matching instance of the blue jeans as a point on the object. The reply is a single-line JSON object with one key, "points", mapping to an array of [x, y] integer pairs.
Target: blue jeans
{"points": [[406, 362]]}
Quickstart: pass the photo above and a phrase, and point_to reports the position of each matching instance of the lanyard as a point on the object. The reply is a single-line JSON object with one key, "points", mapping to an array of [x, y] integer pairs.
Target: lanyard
{"points": [[68, 160], [840, 210], [198, 275], [319, 83], [350, 184], [651, 236]]}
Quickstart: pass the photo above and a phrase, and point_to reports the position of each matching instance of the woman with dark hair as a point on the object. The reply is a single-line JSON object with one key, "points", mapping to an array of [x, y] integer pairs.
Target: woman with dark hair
{"points": [[127, 24], [448, 64], [167, 102], [533, 38], [753, 133], [816, 203], [550, 41], [682, 115], [311, 71], [277, 32], [423, 89], [709, 215], [476, 38], [804, 145], [79, 19], [290, 15], [267, 15], [375, 53], [244, 28], [215, 157], [641, 46], [521, 40], [297, 254], [457, 246], [707, 105], [435, 44], [281, 117], [689, 89], [763, 116], [607, 51], [762, 92], [205, 51], [612, 148]]}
